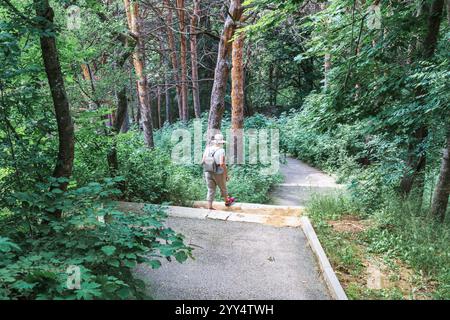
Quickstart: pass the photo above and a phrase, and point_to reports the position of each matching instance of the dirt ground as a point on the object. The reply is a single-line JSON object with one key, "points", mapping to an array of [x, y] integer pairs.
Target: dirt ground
{"points": [[379, 273]]}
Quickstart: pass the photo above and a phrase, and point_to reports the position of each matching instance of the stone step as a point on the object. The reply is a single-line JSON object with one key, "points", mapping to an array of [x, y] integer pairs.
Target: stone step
{"points": [[267, 219], [254, 208], [256, 216]]}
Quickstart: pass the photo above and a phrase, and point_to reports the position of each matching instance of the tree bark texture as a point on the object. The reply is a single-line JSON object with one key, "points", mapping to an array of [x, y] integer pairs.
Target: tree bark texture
{"points": [[183, 58], [194, 62], [65, 158], [237, 98], [442, 190], [134, 24], [222, 69], [237, 84], [173, 57]]}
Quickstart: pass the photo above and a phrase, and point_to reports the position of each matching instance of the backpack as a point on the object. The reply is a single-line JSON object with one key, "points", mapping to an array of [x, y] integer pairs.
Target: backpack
{"points": [[209, 162]]}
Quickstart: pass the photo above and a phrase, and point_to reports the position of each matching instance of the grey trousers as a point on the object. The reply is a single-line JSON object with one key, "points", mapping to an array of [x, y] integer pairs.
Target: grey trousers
{"points": [[212, 181]]}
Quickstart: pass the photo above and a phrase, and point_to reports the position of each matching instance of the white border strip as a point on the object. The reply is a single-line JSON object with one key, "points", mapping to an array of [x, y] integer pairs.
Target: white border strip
{"points": [[331, 280]]}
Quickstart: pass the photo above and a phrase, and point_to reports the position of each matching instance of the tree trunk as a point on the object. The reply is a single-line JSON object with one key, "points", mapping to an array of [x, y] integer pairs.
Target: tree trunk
{"points": [[167, 99], [223, 66], [415, 163], [135, 103], [237, 81], [173, 57], [274, 74], [183, 58], [326, 59], [194, 63], [270, 82], [158, 86], [87, 75], [434, 22], [64, 163], [162, 65], [248, 109], [442, 191], [126, 122], [119, 118], [158, 97], [448, 10], [134, 22], [208, 61], [237, 98], [326, 71], [138, 109]]}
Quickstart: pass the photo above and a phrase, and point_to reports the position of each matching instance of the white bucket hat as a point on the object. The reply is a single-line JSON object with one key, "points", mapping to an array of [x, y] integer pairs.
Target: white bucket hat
{"points": [[218, 139]]}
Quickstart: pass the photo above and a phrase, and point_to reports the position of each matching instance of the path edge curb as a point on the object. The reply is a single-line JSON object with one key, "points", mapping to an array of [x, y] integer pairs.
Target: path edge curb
{"points": [[333, 284]]}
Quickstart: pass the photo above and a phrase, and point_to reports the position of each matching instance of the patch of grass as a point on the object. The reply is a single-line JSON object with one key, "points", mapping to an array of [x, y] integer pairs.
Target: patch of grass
{"points": [[412, 249], [407, 232], [356, 291], [344, 255], [329, 207]]}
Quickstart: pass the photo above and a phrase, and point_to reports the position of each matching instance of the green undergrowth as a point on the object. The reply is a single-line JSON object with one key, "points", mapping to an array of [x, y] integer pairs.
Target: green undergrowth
{"points": [[412, 250], [90, 252]]}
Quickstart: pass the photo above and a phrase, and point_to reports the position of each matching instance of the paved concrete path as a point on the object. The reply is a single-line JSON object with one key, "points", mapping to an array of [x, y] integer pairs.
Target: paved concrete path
{"points": [[238, 260], [300, 183], [246, 260]]}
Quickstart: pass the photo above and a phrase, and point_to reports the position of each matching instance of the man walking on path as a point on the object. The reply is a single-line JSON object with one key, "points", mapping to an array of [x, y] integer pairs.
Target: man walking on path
{"points": [[216, 173]]}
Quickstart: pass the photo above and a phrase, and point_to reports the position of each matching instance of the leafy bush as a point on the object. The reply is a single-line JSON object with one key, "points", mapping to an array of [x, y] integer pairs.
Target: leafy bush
{"points": [[249, 185], [369, 160], [36, 248], [151, 176]]}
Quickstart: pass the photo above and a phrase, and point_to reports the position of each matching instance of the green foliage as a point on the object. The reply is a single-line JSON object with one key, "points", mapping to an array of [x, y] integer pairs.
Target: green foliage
{"points": [[247, 183], [370, 161], [344, 254], [399, 229], [277, 78], [380, 89], [151, 175], [37, 250], [330, 207], [186, 182], [360, 127], [404, 230]]}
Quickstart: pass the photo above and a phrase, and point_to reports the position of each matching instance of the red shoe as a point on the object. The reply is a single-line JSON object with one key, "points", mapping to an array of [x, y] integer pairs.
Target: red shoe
{"points": [[229, 201]]}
